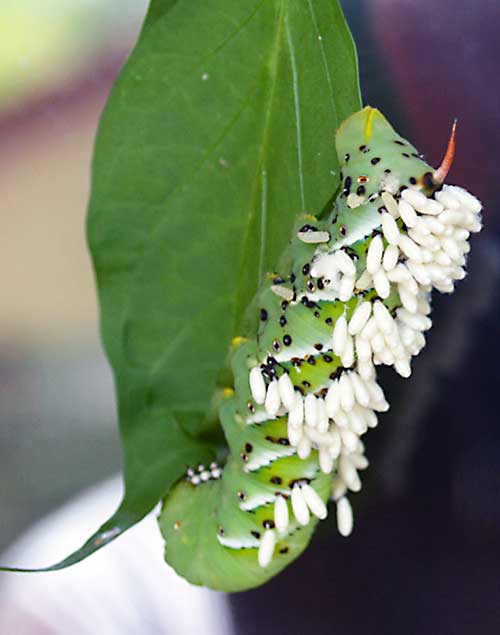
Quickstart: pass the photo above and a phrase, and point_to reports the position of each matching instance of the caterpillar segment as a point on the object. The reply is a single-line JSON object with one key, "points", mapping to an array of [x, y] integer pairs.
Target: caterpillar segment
{"points": [[351, 292]]}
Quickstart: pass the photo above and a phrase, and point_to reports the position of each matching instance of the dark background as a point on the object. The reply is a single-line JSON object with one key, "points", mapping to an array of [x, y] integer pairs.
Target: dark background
{"points": [[424, 557]]}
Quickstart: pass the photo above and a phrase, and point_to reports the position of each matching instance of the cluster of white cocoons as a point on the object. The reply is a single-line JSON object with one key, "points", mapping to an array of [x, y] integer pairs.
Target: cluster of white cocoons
{"points": [[338, 272], [422, 245], [333, 426], [305, 501], [432, 244], [203, 473]]}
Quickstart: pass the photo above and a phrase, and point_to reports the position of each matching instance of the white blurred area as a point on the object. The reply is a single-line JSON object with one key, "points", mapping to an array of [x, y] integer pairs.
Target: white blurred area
{"points": [[123, 589], [58, 435]]}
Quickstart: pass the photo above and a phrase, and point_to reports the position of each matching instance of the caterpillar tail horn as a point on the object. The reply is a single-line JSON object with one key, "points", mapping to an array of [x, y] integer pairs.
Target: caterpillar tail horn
{"points": [[441, 173]]}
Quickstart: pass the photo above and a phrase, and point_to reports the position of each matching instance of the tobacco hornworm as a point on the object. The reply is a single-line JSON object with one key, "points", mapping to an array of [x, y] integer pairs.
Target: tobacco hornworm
{"points": [[352, 291]]}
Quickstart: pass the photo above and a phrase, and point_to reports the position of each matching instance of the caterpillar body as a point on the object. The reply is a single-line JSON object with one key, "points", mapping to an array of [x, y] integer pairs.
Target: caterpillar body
{"points": [[351, 292]]}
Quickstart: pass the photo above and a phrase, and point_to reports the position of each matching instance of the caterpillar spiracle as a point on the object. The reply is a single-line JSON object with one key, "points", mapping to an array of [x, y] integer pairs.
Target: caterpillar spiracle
{"points": [[352, 291]]}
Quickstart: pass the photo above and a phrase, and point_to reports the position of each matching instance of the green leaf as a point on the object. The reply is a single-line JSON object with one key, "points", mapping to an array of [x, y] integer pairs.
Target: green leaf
{"points": [[219, 130]]}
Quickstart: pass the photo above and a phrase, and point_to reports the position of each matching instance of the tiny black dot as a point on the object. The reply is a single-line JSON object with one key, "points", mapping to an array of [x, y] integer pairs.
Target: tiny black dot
{"points": [[361, 190], [242, 496], [221, 531], [311, 360], [362, 148], [406, 155], [387, 171], [248, 447], [400, 143], [343, 230], [263, 315], [268, 523], [284, 304], [276, 345], [282, 320], [321, 284], [382, 209], [296, 361], [308, 228], [347, 157], [316, 314], [276, 480], [255, 534], [292, 277], [287, 340], [284, 550], [283, 441], [375, 160], [244, 457], [329, 321], [318, 347], [328, 359], [306, 268], [310, 286], [250, 407], [306, 384], [413, 180], [271, 361]]}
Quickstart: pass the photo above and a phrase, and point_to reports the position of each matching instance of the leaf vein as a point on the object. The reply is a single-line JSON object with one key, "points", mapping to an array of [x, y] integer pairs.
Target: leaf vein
{"points": [[296, 101], [263, 223], [323, 56]]}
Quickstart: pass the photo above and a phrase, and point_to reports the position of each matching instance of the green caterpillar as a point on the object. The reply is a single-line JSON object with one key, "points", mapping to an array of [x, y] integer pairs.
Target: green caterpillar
{"points": [[352, 291]]}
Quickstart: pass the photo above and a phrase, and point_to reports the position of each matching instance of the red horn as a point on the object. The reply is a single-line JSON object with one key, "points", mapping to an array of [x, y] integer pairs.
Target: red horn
{"points": [[442, 172]]}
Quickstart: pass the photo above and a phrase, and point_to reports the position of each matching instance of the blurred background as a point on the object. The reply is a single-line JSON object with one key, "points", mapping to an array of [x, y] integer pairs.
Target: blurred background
{"points": [[58, 59], [425, 554]]}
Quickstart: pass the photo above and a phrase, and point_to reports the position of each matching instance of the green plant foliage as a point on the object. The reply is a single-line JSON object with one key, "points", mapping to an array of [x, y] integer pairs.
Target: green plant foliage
{"points": [[219, 130]]}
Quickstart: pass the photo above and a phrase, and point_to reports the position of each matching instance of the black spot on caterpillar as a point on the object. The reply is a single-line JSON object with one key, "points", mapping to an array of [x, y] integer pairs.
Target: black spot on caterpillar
{"points": [[304, 398]]}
